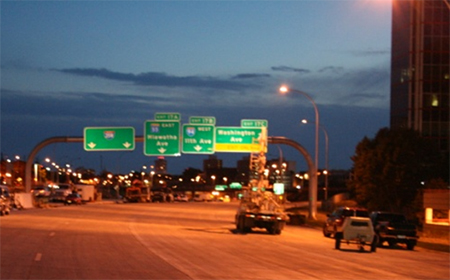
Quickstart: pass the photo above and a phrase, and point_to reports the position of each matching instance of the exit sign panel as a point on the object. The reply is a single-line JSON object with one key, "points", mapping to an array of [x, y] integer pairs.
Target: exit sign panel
{"points": [[109, 139], [198, 139], [162, 138], [237, 139]]}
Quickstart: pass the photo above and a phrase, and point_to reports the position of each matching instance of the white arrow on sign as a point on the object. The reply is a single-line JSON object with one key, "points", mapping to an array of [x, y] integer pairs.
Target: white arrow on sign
{"points": [[198, 148], [92, 145], [162, 150], [126, 145]]}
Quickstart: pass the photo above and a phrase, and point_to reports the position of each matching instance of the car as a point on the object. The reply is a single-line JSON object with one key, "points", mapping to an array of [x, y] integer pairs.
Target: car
{"points": [[203, 197], [5, 200], [162, 195], [73, 198], [334, 221], [180, 197], [61, 191], [41, 191], [394, 228], [359, 231]]}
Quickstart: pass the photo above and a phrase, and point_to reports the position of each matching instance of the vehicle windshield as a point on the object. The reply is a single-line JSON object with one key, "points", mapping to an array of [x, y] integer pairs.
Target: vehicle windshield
{"points": [[357, 213], [394, 218]]}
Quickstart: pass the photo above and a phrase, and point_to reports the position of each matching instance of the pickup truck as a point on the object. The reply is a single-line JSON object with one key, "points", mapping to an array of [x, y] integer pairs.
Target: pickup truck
{"points": [[394, 228]]}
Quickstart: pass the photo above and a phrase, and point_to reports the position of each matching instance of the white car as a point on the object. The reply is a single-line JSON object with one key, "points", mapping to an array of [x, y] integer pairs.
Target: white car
{"points": [[181, 197], [203, 197], [359, 231]]}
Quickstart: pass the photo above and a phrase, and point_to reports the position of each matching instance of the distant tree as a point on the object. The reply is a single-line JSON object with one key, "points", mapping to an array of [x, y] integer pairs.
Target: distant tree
{"points": [[190, 173], [390, 170]]}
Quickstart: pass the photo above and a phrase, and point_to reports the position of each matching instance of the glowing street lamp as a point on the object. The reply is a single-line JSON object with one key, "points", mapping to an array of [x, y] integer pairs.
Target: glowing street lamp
{"points": [[285, 89], [313, 187]]}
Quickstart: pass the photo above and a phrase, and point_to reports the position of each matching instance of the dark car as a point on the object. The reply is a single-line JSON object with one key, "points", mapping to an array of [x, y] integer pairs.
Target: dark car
{"points": [[394, 228], [60, 191], [73, 198], [335, 220]]}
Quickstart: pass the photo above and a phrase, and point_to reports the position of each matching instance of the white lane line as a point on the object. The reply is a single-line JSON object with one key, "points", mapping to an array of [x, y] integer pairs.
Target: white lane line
{"points": [[38, 257]]}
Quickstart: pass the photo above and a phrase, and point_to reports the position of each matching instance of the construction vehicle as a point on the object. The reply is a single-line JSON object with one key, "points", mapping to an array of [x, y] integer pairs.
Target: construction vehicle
{"points": [[137, 192], [260, 207]]}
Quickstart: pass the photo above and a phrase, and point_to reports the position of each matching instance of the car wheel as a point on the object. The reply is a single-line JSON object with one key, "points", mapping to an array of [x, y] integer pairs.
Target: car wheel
{"points": [[325, 232], [274, 229], [410, 246], [373, 246], [238, 225], [392, 243], [337, 243], [335, 232]]}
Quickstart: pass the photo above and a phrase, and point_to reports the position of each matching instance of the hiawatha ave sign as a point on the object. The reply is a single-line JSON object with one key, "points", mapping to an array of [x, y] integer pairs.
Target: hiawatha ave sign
{"points": [[109, 138], [162, 138]]}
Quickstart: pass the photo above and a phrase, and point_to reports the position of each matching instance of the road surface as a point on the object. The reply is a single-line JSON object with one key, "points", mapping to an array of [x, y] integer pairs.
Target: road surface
{"points": [[195, 240]]}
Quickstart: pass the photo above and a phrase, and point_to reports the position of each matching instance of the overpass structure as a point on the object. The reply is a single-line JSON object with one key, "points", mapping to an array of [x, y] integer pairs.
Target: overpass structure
{"points": [[313, 188]]}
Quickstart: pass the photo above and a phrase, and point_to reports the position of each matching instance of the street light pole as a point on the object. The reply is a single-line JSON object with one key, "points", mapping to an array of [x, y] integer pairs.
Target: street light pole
{"points": [[326, 171], [313, 198]]}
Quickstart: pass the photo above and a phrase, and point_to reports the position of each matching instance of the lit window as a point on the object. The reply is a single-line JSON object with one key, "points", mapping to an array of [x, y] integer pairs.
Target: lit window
{"points": [[434, 100]]}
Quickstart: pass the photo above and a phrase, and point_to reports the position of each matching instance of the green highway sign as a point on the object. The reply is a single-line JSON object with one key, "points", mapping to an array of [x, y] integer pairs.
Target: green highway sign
{"points": [[237, 139], [109, 139], [162, 138], [254, 123], [202, 120], [167, 116], [198, 139]]}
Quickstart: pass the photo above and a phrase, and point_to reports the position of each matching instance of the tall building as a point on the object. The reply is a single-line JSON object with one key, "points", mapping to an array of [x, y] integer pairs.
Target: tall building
{"points": [[212, 162], [160, 165], [420, 68]]}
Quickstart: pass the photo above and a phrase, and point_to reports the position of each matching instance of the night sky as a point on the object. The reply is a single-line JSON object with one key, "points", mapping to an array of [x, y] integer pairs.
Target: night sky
{"points": [[67, 65]]}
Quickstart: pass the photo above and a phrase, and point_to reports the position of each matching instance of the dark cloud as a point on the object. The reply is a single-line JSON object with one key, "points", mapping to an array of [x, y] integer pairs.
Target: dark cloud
{"points": [[332, 69], [371, 53], [290, 69], [157, 79], [24, 125], [251, 76]]}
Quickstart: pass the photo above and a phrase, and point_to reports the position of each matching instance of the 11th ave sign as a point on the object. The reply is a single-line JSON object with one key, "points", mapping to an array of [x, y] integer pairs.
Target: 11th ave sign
{"points": [[198, 139], [109, 139]]}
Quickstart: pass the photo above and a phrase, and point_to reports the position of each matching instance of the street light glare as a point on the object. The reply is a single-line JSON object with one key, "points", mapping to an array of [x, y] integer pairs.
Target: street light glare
{"points": [[284, 89]]}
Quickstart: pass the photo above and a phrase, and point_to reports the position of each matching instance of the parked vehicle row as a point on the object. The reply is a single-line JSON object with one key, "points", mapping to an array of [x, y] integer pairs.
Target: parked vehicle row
{"points": [[357, 225], [5, 200]]}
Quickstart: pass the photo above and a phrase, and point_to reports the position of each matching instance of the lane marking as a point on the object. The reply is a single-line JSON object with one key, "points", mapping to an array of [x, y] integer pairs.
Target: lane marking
{"points": [[38, 257], [52, 233]]}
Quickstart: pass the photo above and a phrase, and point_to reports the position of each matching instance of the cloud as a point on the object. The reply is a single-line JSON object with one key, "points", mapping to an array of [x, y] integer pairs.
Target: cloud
{"points": [[66, 114], [364, 87], [157, 79], [289, 69], [332, 69], [251, 76], [371, 53]]}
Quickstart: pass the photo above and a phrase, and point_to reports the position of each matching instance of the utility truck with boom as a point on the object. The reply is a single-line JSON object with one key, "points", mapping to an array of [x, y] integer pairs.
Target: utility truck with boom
{"points": [[260, 207]]}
